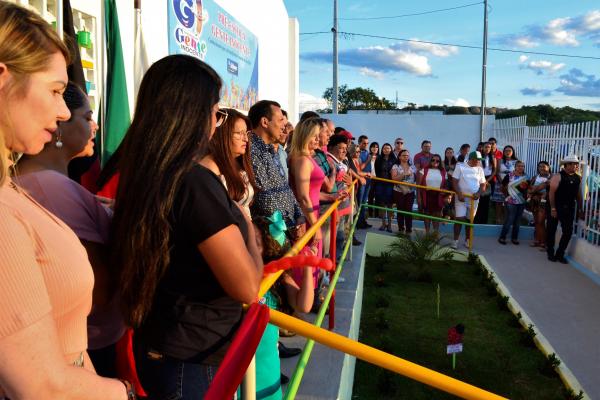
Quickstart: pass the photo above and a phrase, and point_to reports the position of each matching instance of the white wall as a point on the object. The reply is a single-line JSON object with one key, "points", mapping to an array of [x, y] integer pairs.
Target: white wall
{"points": [[442, 130]]}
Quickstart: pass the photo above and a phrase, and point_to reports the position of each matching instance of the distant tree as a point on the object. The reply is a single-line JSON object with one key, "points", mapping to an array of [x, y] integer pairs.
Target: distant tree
{"points": [[457, 110], [546, 114], [358, 99]]}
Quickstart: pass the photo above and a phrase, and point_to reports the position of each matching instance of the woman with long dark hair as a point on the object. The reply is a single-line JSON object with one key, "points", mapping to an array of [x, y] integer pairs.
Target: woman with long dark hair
{"points": [[373, 153], [449, 164], [538, 189], [187, 255], [229, 158], [505, 165], [488, 163], [383, 190]]}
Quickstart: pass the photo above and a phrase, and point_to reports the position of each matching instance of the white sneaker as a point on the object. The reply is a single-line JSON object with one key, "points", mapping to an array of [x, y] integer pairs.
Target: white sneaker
{"points": [[454, 244]]}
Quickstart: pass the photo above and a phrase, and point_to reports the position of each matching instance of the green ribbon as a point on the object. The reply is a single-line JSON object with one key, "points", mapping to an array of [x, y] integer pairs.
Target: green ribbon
{"points": [[277, 227]]}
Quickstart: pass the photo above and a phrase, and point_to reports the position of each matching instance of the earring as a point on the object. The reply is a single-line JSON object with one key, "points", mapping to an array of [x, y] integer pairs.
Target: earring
{"points": [[59, 142]]}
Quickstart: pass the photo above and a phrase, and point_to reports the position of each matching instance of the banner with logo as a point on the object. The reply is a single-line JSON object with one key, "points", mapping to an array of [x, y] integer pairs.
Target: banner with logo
{"points": [[203, 29]]}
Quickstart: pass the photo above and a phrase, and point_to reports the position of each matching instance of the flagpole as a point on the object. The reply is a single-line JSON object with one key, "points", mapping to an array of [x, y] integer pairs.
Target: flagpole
{"points": [[102, 86], [59, 18]]}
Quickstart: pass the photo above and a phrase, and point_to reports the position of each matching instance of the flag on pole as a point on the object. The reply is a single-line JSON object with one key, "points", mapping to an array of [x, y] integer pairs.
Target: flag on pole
{"points": [[117, 118], [140, 59]]}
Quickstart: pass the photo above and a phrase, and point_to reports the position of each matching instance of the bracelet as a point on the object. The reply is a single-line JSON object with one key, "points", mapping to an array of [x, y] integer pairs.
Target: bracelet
{"points": [[129, 390]]}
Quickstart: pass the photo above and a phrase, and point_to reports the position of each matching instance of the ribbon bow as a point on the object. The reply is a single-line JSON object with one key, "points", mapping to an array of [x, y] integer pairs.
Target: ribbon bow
{"points": [[277, 227]]}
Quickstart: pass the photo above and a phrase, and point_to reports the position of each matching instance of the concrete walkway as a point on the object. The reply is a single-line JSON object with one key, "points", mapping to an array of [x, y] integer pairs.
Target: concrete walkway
{"points": [[562, 303]]}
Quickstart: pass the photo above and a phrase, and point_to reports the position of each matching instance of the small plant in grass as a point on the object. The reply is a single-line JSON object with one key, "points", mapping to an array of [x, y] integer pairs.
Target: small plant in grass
{"points": [[420, 251], [472, 258], [381, 321], [382, 302], [570, 395], [380, 281], [503, 302], [528, 335], [385, 344], [386, 385], [516, 320], [550, 365]]}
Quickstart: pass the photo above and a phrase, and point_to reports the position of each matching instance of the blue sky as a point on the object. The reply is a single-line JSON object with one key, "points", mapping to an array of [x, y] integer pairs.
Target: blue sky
{"points": [[431, 74]]}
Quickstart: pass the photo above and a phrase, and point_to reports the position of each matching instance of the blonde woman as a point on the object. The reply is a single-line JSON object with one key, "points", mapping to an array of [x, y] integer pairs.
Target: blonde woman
{"points": [[46, 279]]}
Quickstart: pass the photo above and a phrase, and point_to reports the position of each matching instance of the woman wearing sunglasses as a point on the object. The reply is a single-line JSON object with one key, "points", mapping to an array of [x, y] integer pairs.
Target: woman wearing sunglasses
{"points": [[187, 253], [432, 201]]}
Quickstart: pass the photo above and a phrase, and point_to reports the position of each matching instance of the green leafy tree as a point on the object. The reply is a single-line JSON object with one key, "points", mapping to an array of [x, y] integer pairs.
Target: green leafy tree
{"points": [[358, 99]]}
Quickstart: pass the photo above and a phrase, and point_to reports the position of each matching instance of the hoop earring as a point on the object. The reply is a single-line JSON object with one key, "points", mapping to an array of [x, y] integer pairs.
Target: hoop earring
{"points": [[58, 142]]}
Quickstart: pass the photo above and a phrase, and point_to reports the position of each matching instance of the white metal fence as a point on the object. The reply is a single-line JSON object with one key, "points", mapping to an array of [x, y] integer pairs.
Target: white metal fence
{"points": [[552, 143]]}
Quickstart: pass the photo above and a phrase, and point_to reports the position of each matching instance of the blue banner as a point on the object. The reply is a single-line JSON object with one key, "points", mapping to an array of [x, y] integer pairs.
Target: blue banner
{"points": [[203, 29]]}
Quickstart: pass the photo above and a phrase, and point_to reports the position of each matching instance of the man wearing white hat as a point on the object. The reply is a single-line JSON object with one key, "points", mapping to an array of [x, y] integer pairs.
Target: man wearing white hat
{"points": [[563, 195]]}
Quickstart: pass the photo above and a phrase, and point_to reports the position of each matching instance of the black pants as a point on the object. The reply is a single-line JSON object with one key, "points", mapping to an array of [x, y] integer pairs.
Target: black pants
{"points": [[481, 216], [566, 217]]}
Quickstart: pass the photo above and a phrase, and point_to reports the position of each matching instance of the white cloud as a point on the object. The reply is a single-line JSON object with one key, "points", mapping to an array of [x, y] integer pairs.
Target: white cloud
{"points": [[557, 32], [517, 40], [411, 57], [364, 71], [308, 102], [459, 102], [564, 31], [433, 49], [541, 66]]}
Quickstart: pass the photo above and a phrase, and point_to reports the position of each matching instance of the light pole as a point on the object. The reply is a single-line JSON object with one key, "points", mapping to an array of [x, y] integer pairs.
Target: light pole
{"points": [[335, 60], [484, 68]]}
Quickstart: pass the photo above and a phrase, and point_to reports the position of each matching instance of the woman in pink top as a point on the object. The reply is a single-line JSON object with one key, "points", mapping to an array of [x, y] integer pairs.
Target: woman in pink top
{"points": [[45, 277], [306, 177], [44, 177]]}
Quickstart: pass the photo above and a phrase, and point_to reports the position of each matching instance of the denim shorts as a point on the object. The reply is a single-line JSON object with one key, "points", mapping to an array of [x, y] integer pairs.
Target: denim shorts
{"points": [[165, 378]]}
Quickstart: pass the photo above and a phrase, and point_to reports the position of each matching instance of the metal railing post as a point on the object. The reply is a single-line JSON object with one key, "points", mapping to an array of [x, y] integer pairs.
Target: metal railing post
{"points": [[248, 387], [333, 248]]}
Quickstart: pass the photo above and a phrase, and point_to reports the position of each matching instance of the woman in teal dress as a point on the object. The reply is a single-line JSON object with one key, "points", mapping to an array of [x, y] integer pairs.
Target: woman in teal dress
{"points": [[285, 293]]}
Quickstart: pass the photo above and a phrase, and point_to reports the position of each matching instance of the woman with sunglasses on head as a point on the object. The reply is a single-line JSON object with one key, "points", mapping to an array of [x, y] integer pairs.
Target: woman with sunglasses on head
{"points": [[229, 158], [506, 165], [432, 201], [46, 278], [187, 252], [45, 178]]}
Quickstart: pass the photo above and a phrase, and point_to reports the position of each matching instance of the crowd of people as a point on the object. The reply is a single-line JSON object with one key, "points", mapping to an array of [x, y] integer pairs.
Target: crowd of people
{"points": [[188, 213]]}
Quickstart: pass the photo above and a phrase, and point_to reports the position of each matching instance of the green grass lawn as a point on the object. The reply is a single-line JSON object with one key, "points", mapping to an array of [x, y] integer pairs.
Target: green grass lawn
{"points": [[399, 317]]}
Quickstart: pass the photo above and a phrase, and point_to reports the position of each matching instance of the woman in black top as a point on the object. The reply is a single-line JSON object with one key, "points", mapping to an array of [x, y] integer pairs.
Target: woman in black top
{"points": [[187, 259], [384, 190]]}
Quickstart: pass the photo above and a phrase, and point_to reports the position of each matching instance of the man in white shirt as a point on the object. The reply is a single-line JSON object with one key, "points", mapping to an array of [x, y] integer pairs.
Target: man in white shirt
{"points": [[468, 178]]}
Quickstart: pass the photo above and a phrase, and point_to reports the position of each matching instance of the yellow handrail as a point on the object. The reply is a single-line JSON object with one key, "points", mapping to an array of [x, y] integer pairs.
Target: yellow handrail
{"points": [[381, 359], [418, 186]]}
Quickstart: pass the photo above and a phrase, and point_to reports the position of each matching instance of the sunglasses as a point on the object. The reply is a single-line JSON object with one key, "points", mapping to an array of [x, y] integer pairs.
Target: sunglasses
{"points": [[399, 142], [221, 118]]}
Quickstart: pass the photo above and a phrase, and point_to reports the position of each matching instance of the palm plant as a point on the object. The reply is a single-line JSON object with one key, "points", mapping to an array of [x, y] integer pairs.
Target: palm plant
{"points": [[421, 250]]}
